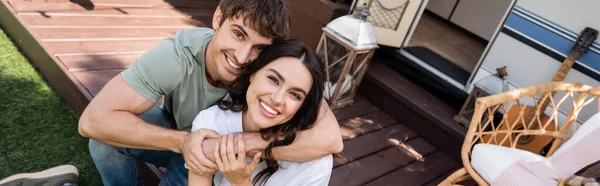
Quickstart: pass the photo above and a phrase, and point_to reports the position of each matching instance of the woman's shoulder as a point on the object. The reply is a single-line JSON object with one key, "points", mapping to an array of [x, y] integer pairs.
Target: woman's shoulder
{"points": [[216, 111], [205, 118], [324, 162], [214, 117], [210, 111], [315, 172]]}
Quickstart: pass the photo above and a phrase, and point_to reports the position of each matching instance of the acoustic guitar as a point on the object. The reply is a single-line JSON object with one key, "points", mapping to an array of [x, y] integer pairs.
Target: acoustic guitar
{"points": [[536, 143]]}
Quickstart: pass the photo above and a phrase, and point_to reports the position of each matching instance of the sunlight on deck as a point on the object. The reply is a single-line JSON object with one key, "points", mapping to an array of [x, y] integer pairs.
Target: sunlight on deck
{"points": [[411, 152], [354, 127]]}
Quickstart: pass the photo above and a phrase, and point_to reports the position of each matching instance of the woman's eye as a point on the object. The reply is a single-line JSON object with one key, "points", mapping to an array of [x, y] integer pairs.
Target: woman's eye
{"points": [[295, 95], [273, 79], [259, 48]]}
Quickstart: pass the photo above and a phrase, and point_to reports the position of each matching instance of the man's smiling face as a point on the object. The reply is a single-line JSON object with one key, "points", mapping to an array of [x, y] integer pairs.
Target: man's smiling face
{"points": [[233, 47]]}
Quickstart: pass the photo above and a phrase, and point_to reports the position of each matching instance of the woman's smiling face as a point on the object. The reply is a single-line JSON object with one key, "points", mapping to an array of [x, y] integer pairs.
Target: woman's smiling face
{"points": [[277, 91]]}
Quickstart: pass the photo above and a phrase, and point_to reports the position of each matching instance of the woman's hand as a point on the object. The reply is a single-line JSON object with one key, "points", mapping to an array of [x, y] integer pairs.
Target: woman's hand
{"points": [[232, 161]]}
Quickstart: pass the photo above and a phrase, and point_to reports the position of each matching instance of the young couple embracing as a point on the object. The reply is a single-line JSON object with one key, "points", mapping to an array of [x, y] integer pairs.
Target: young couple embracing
{"points": [[242, 105]]}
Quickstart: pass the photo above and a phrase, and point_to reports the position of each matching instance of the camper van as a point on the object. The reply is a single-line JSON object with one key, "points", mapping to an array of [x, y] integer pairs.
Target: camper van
{"points": [[451, 45]]}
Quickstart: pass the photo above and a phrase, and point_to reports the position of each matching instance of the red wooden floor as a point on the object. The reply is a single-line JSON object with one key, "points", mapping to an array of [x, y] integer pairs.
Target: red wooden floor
{"points": [[79, 45]]}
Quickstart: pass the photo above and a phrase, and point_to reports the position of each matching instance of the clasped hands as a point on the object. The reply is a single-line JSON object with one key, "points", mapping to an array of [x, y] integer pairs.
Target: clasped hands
{"points": [[205, 152]]}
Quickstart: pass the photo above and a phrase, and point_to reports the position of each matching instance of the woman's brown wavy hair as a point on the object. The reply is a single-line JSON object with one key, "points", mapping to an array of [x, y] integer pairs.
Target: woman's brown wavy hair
{"points": [[304, 118]]}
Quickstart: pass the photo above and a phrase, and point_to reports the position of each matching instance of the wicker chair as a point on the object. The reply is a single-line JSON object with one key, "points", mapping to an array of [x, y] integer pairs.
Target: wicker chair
{"points": [[488, 126]]}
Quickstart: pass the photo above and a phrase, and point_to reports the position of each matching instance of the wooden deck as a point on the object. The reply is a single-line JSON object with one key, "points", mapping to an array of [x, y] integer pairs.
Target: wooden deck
{"points": [[379, 150], [69, 43], [447, 41], [79, 45]]}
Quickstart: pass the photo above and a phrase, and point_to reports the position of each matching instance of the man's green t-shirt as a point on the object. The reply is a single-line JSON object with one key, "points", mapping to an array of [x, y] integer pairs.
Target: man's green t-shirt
{"points": [[175, 69]]}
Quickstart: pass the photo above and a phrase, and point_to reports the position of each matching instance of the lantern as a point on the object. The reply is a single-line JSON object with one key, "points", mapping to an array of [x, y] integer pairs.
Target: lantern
{"points": [[490, 85], [346, 48]]}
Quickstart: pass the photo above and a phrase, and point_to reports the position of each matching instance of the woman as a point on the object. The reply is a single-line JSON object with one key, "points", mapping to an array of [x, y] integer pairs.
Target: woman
{"points": [[278, 95]]}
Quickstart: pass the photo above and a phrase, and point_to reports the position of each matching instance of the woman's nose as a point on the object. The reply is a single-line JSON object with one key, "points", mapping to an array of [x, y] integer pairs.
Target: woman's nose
{"points": [[277, 97]]}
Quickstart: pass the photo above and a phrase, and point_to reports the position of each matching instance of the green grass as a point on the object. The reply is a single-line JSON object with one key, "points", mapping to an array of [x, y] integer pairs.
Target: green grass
{"points": [[38, 130]]}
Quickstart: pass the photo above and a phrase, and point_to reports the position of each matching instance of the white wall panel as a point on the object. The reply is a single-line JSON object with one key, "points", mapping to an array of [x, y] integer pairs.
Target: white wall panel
{"points": [[574, 15], [442, 8]]}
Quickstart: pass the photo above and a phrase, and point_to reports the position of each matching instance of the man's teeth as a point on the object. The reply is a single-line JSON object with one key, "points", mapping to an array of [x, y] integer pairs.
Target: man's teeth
{"points": [[269, 109], [232, 64]]}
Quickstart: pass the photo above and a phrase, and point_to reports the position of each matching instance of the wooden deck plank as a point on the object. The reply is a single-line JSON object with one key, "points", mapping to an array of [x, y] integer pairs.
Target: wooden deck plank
{"points": [[447, 41], [93, 81], [418, 172], [64, 83], [356, 126], [98, 62], [158, 3], [117, 12], [405, 89], [441, 177], [322, 14], [55, 34], [28, 6], [373, 142], [297, 33], [311, 29], [97, 47], [358, 108], [371, 167], [399, 97], [39, 21]]}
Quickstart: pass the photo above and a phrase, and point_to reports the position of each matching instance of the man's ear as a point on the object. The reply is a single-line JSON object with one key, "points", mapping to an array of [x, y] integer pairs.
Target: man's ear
{"points": [[217, 16]]}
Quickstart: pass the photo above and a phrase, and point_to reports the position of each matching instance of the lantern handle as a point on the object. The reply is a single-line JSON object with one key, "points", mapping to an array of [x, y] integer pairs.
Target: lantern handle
{"points": [[351, 11], [501, 73], [362, 12]]}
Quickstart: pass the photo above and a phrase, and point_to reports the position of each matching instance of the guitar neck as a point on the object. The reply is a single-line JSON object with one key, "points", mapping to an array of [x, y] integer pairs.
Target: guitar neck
{"points": [[560, 75], [564, 69]]}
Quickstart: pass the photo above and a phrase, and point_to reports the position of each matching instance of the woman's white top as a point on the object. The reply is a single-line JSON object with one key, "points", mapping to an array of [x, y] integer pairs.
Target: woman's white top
{"points": [[316, 172]]}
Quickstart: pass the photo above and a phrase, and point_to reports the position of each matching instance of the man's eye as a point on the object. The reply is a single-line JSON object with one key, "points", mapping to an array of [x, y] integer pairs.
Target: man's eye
{"points": [[274, 80], [238, 34]]}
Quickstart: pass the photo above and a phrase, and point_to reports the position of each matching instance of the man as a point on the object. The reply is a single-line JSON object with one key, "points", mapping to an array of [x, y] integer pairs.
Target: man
{"points": [[190, 72]]}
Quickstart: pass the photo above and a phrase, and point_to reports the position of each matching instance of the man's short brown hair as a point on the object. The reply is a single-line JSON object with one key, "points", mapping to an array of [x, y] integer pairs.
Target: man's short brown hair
{"points": [[270, 18]]}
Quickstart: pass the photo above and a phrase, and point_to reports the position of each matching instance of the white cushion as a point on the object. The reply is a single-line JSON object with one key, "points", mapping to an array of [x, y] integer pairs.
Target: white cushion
{"points": [[588, 126], [490, 160]]}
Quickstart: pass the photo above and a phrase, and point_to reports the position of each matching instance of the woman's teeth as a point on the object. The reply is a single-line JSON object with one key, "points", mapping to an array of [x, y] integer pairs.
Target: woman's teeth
{"points": [[267, 108], [232, 64]]}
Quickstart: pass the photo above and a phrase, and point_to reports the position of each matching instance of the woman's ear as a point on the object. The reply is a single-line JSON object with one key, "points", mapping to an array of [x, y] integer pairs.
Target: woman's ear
{"points": [[217, 16], [252, 77]]}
